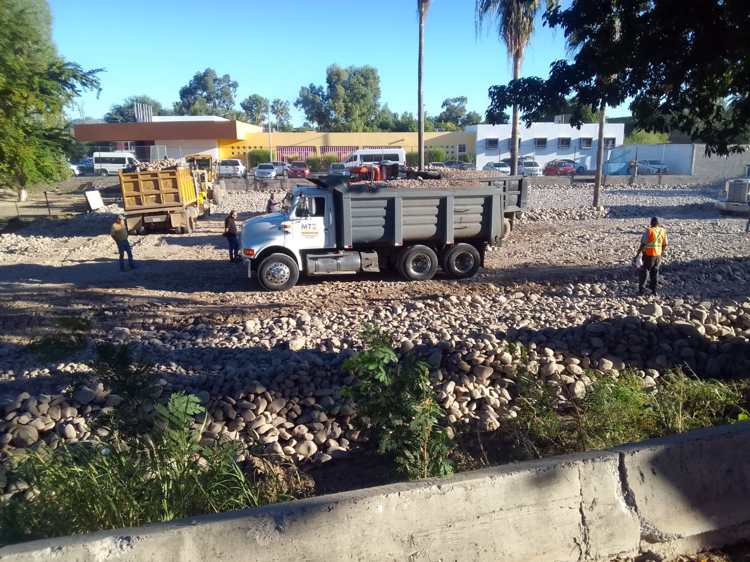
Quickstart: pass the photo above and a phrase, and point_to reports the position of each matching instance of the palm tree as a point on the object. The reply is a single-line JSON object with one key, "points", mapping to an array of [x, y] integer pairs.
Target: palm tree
{"points": [[422, 7], [515, 24]]}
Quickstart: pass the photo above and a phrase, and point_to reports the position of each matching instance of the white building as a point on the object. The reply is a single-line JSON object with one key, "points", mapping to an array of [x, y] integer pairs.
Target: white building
{"points": [[545, 142]]}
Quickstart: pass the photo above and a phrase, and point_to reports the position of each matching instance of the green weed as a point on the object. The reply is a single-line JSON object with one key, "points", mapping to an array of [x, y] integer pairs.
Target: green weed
{"points": [[396, 397]]}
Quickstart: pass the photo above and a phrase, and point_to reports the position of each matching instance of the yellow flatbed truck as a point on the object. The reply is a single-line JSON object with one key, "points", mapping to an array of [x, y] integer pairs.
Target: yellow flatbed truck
{"points": [[160, 200]]}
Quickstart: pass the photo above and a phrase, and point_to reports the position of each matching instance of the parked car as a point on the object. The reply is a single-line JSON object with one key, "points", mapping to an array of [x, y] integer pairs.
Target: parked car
{"points": [[74, 169], [106, 163], [281, 168], [298, 169], [372, 156], [338, 169], [85, 166], [436, 165], [265, 171], [560, 168], [232, 168], [529, 168], [652, 167], [457, 165], [501, 168]]}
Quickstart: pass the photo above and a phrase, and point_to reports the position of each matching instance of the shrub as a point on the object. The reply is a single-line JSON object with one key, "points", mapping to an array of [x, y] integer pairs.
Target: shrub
{"points": [[617, 411], [69, 337], [321, 163], [258, 156], [157, 477], [434, 155], [412, 159], [396, 397]]}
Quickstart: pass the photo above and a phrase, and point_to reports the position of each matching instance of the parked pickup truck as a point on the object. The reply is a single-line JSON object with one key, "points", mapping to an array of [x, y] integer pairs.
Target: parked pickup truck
{"points": [[345, 229]]}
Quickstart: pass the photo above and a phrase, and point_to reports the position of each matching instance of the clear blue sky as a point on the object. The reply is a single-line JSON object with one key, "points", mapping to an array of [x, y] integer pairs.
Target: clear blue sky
{"points": [[273, 48]]}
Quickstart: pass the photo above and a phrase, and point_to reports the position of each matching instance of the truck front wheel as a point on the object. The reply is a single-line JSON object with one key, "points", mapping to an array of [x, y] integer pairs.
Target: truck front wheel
{"points": [[278, 272], [418, 263], [461, 261]]}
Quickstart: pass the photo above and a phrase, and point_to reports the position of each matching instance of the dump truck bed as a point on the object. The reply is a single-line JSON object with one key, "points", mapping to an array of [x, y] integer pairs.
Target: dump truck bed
{"points": [[143, 191], [393, 217]]}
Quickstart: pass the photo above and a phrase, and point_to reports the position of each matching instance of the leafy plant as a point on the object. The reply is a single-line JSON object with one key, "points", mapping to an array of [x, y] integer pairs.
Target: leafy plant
{"points": [[258, 156], [161, 476], [396, 397], [69, 337], [131, 381]]}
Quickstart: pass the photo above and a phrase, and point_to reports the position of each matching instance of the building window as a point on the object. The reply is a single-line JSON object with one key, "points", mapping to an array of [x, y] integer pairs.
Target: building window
{"points": [[586, 143], [491, 144], [609, 142], [563, 143], [462, 149], [540, 143]]}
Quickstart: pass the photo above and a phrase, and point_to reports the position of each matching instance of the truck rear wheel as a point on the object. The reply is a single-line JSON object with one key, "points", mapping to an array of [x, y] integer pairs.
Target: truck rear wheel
{"points": [[278, 272], [462, 261], [418, 263]]}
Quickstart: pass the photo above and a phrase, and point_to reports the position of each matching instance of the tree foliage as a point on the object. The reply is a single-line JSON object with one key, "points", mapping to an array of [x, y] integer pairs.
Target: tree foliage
{"points": [[455, 115], [124, 112], [639, 136], [256, 109], [280, 112], [35, 85], [207, 93], [350, 100], [683, 65]]}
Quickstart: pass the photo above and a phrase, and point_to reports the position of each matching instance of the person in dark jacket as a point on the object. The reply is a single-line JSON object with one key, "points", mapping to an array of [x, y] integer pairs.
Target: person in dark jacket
{"points": [[230, 231]]}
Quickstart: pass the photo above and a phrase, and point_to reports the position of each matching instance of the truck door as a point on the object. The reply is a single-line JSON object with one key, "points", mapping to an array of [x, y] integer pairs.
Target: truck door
{"points": [[310, 226]]}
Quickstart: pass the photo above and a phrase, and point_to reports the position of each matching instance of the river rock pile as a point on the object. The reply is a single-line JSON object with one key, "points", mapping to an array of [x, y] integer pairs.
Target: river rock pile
{"points": [[277, 383]]}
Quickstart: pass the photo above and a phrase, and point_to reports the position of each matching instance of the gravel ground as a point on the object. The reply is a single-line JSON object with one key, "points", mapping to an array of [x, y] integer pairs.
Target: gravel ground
{"points": [[557, 300]]}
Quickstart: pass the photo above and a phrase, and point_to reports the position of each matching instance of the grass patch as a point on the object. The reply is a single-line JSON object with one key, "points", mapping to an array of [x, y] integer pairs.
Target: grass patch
{"points": [[130, 482], [617, 411]]}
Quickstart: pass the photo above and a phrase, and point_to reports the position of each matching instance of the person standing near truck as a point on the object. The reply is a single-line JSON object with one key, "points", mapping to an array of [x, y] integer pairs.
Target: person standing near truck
{"points": [[230, 232], [119, 233], [272, 206], [653, 245]]}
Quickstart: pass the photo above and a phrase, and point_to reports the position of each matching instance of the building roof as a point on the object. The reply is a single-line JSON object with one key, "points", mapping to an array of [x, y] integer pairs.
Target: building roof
{"points": [[182, 118], [169, 130]]}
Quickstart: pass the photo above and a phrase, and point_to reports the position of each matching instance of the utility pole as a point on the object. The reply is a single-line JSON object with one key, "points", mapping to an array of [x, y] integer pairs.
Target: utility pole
{"points": [[270, 146]]}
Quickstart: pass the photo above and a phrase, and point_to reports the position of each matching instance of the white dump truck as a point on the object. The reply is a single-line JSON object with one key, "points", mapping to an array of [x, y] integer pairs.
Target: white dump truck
{"points": [[340, 228]]}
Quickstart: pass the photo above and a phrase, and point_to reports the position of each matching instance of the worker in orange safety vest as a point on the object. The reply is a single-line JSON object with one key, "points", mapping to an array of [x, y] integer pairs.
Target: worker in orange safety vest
{"points": [[653, 246]]}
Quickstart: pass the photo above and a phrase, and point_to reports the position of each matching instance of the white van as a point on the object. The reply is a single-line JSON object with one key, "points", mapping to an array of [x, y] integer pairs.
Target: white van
{"points": [[365, 156], [106, 163]]}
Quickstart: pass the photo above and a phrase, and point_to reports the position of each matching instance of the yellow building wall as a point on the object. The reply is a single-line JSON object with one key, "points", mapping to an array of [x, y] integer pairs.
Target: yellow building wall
{"points": [[448, 141]]}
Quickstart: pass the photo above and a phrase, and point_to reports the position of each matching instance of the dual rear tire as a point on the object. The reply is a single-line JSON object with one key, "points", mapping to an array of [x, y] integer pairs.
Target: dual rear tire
{"points": [[420, 263]]}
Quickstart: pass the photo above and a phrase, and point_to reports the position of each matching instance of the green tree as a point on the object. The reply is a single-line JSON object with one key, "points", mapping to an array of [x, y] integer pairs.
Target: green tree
{"points": [[405, 122], [348, 102], [35, 86], [454, 111], [207, 93], [665, 59], [124, 112], [639, 136], [471, 118], [256, 109], [515, 24], [280, 112]]}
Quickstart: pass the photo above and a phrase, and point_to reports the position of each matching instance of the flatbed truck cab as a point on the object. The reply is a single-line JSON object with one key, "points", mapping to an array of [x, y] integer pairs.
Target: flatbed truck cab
{"points": [[347, 229]]}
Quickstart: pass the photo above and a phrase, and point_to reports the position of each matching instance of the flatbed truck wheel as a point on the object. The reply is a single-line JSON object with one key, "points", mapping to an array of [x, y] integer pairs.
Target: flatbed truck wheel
{"points": [[278, 272], [418, 263], [461, 261]]}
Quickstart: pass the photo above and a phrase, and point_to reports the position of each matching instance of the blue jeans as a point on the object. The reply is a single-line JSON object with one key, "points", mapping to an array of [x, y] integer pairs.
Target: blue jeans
{"points": [[123, 246], [234, 246]]}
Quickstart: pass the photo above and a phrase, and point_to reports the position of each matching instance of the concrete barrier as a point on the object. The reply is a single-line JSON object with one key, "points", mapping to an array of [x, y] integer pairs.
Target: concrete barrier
{"points": [[678, 494]]}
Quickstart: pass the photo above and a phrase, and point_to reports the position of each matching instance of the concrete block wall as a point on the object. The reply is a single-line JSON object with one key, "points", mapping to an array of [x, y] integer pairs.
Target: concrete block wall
{"points": [[674, 495]]}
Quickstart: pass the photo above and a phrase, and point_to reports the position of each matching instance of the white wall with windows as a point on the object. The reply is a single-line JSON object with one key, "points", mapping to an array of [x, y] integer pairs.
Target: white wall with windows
{"points": [[545, 142]]}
